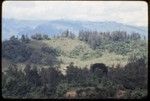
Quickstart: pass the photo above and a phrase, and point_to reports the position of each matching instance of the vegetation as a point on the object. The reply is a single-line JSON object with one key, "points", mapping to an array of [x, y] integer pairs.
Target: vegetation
{"points": [[59, 67], [50, 82], [39, 36], [16, 50], [68, 34]]}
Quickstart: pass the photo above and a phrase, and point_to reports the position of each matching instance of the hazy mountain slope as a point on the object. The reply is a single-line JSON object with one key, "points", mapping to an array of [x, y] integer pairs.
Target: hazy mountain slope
{"points": [[19, 27]]}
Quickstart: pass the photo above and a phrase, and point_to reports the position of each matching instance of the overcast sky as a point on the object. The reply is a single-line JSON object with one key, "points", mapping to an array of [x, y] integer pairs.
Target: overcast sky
{"points": [[128, 12]]}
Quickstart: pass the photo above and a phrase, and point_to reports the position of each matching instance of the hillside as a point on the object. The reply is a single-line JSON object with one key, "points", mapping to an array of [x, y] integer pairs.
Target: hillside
{"points": [[63, 65], [74, 50], [66, 46]]}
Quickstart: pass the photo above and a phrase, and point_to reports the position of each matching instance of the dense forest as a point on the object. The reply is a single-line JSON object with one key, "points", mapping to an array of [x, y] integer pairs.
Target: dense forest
{"points": [[42, 75]]}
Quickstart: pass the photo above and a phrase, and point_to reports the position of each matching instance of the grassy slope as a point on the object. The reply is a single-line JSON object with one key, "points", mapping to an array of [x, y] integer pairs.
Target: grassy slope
{"points": [[67, 45]]}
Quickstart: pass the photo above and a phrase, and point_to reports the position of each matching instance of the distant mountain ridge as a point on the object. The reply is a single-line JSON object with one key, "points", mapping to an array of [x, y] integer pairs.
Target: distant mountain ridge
{"points": [[18, 27]]}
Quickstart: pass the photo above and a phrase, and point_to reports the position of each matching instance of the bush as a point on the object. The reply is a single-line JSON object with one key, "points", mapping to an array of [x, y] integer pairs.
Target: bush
{"points": [[61, 89], [137, 94]]}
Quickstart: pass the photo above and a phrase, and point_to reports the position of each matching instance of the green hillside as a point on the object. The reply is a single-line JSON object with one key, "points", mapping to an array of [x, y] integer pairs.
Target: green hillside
{"points": [[67, 46], [81, 50], [55, 67]]}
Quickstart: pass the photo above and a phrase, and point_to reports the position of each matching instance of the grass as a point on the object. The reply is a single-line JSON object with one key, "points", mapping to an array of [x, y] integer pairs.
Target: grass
{"points": [[66, 44], [108, 58]]}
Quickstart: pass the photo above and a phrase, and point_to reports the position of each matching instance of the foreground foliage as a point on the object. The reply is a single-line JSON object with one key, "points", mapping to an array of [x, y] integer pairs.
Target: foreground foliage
{"points": [[51, 83]]}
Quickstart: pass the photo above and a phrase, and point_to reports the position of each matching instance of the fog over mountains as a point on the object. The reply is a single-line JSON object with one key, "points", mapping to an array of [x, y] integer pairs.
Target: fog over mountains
{"points": [[18, 27]]}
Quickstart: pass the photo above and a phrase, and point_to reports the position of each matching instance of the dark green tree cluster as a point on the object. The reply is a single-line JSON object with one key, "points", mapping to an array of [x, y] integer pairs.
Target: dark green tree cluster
{"points": [[117, 41], [25, 38], [39, 36], [31, 83], [88, 36], [68, 34], [16, 50], [77, 76], [134, 75]]}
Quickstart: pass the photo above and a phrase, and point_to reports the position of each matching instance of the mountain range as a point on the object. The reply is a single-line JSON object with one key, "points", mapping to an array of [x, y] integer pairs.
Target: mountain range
{"points": [[52, 27]]}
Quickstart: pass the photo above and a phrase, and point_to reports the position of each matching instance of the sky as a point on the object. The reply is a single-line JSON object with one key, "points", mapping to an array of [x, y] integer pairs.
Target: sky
{"points": [[128, 12]]}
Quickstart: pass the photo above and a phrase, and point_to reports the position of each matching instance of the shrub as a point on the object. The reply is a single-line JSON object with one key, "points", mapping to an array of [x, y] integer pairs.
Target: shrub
{"points": [[61, 89], [137, 94]]}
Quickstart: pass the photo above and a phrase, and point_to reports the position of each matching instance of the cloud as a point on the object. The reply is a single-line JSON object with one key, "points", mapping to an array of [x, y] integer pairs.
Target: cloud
{"points": [[129, 12]]}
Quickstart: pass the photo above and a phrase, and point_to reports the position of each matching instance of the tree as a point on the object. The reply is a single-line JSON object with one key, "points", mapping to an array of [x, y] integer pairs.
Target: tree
{"points": [[45, 37], [27, 69], [37, 36], [71, 35], [135, 36], [32, 76], [65, 33], [43, 76], [94, 40], [13, 38], [25, 39], [15, 50]]}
